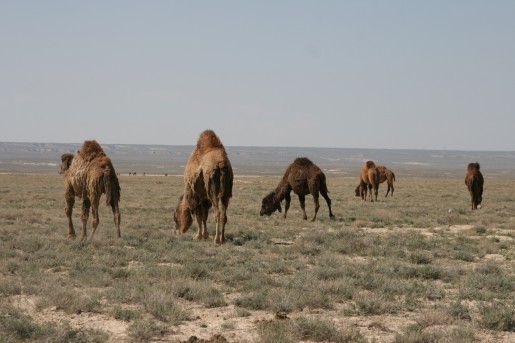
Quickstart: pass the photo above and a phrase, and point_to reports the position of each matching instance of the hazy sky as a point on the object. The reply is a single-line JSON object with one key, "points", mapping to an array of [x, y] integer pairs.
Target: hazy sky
{"points": [[357, 74]]}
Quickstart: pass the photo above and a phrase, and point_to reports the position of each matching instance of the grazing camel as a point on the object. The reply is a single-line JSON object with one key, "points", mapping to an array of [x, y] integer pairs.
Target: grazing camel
{"points": [[302, 177], [87, 175], [369, 178], [208, 180], [385, 174], [474, 181]]}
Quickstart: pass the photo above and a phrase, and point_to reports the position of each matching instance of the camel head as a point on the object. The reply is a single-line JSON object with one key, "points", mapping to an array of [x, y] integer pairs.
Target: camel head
{"points": [[182, 216], [270, 204], [473, 167], [66, 161], [360, 190]]}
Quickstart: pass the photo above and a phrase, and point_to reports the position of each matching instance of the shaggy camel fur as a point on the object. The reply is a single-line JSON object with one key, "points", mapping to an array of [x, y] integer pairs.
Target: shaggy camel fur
{"points": [[302, 177], [87, 175], [208, 180], [369, 178], [474, 181], [385, 174]]}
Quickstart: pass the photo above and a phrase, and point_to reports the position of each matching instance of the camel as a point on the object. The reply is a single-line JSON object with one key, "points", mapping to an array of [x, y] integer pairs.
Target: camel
{"points": [[208, 180], [369, 178], [302, 177], [474, 181], [385, 174], [87, 175]]}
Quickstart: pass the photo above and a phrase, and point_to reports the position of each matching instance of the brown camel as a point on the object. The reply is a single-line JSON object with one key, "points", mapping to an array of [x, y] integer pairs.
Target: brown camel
{"points": [[474, 181], [208, 180], [302, 177], [369, 178], [87, 175], [385, 174]]}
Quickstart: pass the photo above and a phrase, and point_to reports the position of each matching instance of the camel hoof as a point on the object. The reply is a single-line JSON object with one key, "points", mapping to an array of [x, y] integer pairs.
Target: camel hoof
{"points": [[219, 240], [198, 236], [332, 217], [71, 237]]}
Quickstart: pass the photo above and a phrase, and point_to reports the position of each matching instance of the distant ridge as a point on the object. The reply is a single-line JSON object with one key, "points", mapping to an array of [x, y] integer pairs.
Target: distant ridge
{"points": [[170, 159]]}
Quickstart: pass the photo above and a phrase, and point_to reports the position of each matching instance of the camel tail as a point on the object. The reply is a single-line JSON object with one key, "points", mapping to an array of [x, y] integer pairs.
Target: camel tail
{"points": [[323, 183], [393, 174], [112, 187]]}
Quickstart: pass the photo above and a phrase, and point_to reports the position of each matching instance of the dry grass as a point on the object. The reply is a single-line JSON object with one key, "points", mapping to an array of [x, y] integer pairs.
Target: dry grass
{"points": [[417, 267]]}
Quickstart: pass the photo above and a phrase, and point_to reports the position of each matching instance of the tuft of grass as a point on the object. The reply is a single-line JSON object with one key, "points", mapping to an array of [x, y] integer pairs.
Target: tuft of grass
{"points": [[497, 316], [22, 328], [145, 331], [459, 310], [125, 314], [162, 306], [69, 300]]}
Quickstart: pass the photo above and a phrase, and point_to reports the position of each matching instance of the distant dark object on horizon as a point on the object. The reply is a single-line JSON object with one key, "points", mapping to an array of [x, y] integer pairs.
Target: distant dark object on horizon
{"points": [[474, 181]]}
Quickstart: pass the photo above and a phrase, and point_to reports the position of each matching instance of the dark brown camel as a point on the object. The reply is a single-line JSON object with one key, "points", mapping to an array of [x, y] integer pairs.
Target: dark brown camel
{"points": [[87, 175], [208, 180], [385, 174], [302, 177], [369, 178], [474, 181]]}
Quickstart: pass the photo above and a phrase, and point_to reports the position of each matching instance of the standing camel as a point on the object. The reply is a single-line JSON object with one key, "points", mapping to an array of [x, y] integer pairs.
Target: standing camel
{"points": [[302, 177], [385, 174], [369, 178], [474, 181], [87, 175], [208, 180]]}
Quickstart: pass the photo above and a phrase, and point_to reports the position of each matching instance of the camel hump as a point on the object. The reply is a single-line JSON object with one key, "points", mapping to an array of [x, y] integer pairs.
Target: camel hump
{"points": [[370, 164], [303, 162], [473, 166], [208, 140], [91, 150]]}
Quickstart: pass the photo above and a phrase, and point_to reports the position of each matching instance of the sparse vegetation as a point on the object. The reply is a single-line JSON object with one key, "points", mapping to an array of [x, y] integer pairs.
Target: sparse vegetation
{"points": [[444, 275]]}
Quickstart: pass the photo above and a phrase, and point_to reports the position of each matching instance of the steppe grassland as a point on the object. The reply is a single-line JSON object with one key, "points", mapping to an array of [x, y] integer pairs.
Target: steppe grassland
{"points": [[420, 266]]}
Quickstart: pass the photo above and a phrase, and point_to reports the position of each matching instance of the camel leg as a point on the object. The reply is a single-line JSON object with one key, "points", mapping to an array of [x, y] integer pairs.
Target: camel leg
{"points": [[302, 200], [201, 215], [86, 204], [94, 212], [218, 234], [376, 191], [205, 212], [392, 189], [223, 218], [200, 222], [70, 201], [287, 201], [370, 192], [317, 205], [328, 201]]}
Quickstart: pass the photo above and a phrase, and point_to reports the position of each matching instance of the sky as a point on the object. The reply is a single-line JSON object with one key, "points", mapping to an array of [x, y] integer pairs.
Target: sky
{"points": [[344, 74]]}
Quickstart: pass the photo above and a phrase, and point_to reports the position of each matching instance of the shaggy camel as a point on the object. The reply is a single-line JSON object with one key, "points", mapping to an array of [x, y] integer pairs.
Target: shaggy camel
{"points": [[87, 175], [369, 178], [302, 177], [385, 174], [208, 180], [474, 181]]}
